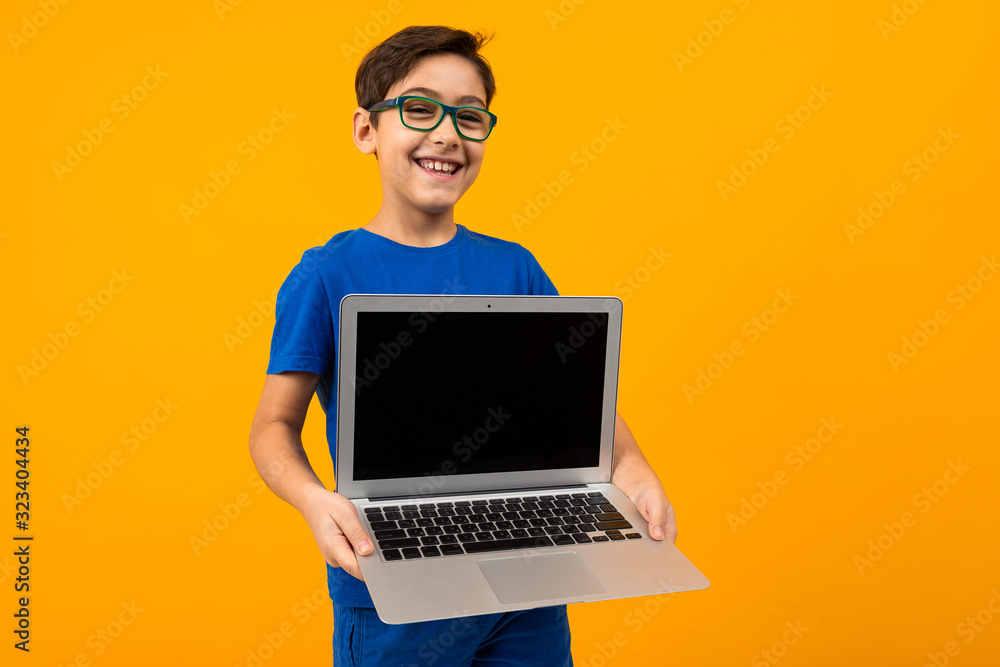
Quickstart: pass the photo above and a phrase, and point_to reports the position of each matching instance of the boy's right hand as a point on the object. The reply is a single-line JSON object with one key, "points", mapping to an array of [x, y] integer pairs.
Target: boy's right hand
{"points": [[337, 529]]}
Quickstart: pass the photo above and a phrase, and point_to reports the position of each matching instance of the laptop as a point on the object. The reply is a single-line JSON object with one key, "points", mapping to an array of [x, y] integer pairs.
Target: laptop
{"points": [[475, 437]]}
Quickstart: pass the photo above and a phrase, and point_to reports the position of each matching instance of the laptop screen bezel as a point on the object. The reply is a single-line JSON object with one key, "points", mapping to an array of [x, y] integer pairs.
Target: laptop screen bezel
{"points": [[352, 304]]}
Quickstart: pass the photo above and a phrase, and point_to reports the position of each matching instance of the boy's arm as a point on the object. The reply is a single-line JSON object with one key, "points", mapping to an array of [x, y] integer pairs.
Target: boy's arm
{"points": [[633, 475], [276, 449]]}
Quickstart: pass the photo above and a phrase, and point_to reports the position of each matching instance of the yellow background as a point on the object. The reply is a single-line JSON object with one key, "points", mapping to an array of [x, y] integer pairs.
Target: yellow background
{"points": [[682, 129]]}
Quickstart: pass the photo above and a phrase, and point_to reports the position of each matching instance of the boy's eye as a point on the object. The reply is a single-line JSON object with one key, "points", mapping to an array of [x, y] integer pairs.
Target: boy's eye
{"points": [[471, 118]]}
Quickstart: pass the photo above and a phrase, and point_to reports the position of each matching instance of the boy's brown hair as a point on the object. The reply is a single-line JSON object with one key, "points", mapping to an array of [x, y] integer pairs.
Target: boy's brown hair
{"points": [[392, 60]]}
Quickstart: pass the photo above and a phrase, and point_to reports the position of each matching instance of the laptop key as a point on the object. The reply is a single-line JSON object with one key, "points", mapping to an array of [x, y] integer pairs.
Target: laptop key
{"points": [[579, 495], [588, 527], [518, 532], [563, 539], [598, 500], [466, 537], [484, 536], [633, 536], [463, 503], [383, 525], [595, 494], [373, 510], [501, 534], [423, 522], [429, 540], [609, 516], [391, 508], [392, 554], [452, 549], [521, 523], [487, 525], [434, 530], [415, 532], [613, 525], [602, 538], [554, 530], [411, 514], [400, 543], [504, 545], [409, 507], [614, 538], [452, 530], [429, 552], [389, 534], [536, 532], [393, 516], [582, 538], [445, 504], [529, 499], [376, 517], [442, 521], [448, 539], [407, 523], [411, 553], [427, 506]]}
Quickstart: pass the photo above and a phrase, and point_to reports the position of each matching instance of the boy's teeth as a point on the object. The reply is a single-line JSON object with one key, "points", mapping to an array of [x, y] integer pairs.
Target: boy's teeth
{"points": [[446, 167]]}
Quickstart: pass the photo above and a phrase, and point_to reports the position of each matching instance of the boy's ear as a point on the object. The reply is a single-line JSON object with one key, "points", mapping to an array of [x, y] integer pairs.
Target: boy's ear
{"points": [[364, 133]]}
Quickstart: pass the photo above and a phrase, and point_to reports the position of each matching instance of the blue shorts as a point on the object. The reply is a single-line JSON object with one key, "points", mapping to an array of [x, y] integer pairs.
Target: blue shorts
{"points": [[532, 638]]}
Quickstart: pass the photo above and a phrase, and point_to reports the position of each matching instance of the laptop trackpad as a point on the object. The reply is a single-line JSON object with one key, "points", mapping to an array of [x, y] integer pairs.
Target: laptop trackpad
{"points": [[539, 577]]}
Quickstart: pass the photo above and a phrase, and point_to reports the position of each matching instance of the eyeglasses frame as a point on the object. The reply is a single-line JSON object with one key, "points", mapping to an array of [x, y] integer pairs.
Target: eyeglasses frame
{"points": [[448, 110]]}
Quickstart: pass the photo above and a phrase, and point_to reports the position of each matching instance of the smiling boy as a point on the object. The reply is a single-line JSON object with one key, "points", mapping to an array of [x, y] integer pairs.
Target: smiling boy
{"points": [[423, 98]]}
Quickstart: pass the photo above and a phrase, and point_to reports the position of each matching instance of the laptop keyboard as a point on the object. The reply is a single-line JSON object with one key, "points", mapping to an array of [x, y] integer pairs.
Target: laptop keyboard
{"points": [[429, 530]]}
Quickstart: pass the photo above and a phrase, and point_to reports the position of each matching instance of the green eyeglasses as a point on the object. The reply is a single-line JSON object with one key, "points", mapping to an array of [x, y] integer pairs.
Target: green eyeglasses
{"points": [[424, 114]]}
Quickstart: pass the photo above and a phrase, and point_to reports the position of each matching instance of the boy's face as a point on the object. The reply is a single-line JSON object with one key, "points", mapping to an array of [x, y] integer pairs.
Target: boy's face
{"points": [[447, 78]]}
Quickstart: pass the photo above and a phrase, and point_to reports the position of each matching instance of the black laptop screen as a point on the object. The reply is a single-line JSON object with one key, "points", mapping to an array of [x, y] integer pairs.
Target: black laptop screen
{"points": [[460, 393]]}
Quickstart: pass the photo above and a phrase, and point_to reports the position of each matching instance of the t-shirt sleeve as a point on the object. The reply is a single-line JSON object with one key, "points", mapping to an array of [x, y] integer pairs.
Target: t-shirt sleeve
{"points": [[538, 280], [303, 337]]}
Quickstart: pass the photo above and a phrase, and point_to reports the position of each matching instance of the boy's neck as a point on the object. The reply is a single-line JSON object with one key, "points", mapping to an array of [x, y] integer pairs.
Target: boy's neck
{"points": [[422, 232]]}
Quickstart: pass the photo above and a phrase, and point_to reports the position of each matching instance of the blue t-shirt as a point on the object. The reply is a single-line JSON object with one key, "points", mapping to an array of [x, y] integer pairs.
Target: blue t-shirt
{"points": [[360, 262]]}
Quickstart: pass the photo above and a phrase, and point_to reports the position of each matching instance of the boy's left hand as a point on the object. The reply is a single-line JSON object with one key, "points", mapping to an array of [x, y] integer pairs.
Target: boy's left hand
{"points": [[655, 507], [634, 476]]}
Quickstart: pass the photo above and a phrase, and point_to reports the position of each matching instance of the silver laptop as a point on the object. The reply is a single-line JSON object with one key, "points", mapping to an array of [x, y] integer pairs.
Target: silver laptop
{"points": [[475, 437]]}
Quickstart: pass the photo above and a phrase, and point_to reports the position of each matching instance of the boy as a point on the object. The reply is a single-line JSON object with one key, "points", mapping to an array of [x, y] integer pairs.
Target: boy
{"points": [[429, 153]]}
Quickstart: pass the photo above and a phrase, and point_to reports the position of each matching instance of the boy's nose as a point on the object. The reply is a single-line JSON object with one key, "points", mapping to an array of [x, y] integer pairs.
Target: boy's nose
{"points": [[446, 131]]}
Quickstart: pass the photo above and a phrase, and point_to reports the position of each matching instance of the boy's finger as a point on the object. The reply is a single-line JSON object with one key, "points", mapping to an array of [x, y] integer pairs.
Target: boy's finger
{"points": [[343, 554], [350, 525], [656, 514]]}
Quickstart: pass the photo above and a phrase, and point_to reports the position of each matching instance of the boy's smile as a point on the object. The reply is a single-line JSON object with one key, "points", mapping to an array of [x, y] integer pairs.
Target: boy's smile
{"points": [[425, 173]]}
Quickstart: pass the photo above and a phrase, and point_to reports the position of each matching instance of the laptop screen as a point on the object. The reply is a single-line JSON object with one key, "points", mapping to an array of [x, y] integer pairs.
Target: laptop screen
{"points": [[457, 393]]}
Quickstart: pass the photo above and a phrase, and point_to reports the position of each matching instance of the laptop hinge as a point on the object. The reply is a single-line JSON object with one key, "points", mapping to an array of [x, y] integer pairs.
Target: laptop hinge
{"points": [[480, 492]]}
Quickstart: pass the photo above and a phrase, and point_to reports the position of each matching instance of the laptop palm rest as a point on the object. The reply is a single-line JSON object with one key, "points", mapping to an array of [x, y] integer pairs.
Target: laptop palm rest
{"points": [[539, 577]]}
